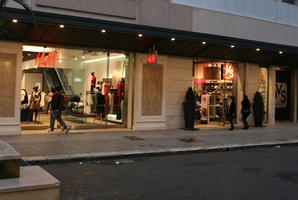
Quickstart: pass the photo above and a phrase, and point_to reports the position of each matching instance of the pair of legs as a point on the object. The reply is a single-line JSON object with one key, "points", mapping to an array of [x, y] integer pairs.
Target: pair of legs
{"points": [[31, 115], [56, 114], [244, 119], [231, 122]]}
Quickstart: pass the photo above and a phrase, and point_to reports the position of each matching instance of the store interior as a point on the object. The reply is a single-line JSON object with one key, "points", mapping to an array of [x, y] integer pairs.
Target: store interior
{"points": [[213, 83], [92, 82]]}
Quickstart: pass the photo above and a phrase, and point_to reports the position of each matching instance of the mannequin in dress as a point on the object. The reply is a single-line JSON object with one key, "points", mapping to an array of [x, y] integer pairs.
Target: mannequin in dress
{"points": [[93, 82]]}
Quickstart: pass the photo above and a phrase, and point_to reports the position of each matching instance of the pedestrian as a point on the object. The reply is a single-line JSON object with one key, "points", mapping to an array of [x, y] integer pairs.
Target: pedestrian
{"points": [[231, 111], [51, 93], [57, 107], [245, 110]]}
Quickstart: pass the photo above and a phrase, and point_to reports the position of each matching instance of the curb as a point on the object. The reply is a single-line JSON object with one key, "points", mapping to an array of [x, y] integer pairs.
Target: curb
{"points": [[39, 160]]}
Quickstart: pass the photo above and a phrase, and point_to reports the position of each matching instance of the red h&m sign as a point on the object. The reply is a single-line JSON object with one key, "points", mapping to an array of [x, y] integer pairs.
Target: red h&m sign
{"points": [[49, 61], [151, 59]]}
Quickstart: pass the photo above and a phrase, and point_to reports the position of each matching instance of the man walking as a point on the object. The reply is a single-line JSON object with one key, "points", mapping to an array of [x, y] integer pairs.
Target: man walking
{"points": [[57, 107]]}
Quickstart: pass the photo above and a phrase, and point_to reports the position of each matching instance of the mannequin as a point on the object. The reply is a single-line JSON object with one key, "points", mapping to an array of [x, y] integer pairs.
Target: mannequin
{"points": [[34, 103], [93, 82]]}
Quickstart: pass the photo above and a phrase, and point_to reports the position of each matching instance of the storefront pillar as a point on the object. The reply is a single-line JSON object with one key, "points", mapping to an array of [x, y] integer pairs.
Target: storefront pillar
{"points": [[271, 95], [251, 84], [295, 93], [10, 76], [240, 89], [150, 94], [130, 89]]}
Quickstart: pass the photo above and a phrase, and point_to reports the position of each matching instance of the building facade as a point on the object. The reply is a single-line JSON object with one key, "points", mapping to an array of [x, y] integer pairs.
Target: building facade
{"points": [[193, 43]]}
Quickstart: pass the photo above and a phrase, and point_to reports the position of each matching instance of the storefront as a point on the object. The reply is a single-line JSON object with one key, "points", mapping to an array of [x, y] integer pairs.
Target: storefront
{"points": [[92, 81], [213, 83]]}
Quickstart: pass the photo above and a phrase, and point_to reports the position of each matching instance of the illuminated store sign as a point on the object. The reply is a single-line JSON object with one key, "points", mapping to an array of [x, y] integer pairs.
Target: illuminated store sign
{"points": [[50, 60], [228, 72], [151, 59]]}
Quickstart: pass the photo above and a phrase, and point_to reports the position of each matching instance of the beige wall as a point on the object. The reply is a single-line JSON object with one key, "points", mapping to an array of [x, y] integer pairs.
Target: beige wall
{"points": [[10, 125], [163, 13], [179, 78]]}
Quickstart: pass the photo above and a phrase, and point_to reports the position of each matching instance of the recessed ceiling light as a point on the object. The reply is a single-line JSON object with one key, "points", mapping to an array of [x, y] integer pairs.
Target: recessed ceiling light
{"points": [[280, 52], [257, 49], [173, 39], [61, 26], [75, 58], [83, 57], [203, 42], [103, 30], [60, 61], [140, 35], [232, 46], [15, 21]]}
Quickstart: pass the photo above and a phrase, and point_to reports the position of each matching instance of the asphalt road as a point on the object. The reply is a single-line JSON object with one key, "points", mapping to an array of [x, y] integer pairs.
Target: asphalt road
{"points": [[267, 173]]}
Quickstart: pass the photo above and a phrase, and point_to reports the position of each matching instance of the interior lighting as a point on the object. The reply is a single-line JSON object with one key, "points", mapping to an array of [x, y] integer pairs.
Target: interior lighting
{"points": [[60, 61], [173, 39], [61, 26], [204, 43], [37, 49], [232, 46], [103, 30], [140, 35], [15, 21], [105, 58], [29, 54], [257, 49], [75, 58], [280, 52], [83, 57]]}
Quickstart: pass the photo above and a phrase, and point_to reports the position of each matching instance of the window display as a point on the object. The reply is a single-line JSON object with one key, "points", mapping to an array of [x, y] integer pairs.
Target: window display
{"points": [[213, 83], [93, 83]]}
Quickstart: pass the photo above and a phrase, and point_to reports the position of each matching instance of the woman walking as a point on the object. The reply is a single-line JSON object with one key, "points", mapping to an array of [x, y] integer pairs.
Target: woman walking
{"points": [[245, 110], [231, 112]]}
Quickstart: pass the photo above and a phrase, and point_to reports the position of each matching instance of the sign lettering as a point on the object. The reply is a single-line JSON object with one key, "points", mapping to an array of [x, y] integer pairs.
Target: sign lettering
{"points": [[281, 95], [49, 61], [228, 72]]}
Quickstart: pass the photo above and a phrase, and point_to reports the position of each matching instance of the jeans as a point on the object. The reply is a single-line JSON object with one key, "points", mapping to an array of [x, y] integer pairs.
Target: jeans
{"points": [[56, 114]]}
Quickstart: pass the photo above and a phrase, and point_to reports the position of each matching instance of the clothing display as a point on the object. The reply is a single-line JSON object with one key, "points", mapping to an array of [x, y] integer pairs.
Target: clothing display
{"points": [[93, 82]]}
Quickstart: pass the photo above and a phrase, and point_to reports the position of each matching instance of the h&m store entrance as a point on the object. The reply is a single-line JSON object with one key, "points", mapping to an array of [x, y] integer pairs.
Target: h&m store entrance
{"points": [[92, 82]]}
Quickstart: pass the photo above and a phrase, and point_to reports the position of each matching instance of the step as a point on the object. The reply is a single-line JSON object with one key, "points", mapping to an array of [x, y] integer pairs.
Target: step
{"points": [[9, 161], [34, 183]]}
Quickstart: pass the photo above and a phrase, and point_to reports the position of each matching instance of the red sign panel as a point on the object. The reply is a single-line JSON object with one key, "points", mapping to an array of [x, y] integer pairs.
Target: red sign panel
{"points": [[228, 72], [49, 61], [151, 59]]}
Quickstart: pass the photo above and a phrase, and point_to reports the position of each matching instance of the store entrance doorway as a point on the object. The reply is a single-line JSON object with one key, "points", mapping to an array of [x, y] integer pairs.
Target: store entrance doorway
{"points": [[213, 83]]}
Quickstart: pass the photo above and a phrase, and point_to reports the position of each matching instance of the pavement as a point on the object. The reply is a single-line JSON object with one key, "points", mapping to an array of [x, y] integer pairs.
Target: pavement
{"points": [[42, 147]]}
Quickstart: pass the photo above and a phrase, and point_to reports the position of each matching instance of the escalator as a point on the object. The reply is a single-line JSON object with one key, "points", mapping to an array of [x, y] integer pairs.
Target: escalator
{"points": [[56, 78]]}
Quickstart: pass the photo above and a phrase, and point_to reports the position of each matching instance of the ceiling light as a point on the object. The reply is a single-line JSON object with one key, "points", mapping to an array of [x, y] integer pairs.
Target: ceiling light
{"points": [[280, 52], [232, 46], [60, 61], [29, 54], [140, 35], [105, 58], [61, 26], [173, 39], [103, 30], [83, 57], [15, 21], [257, 49], [28, 48], [203, 42], [75, 58]]}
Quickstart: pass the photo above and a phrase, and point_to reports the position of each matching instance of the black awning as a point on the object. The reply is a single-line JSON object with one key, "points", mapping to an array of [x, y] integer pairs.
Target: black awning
{"points": [[85, 32]]}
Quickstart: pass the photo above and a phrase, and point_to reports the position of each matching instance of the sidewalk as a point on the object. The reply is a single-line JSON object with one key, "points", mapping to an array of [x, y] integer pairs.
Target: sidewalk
{"points": [[116, 143]]}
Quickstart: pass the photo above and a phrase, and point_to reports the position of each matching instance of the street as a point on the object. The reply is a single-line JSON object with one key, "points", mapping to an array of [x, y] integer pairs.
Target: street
{"points": [[259, 173]]}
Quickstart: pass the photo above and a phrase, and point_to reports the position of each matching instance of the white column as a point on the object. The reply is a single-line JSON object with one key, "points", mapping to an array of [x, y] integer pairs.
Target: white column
{"points": [[271, 96]]}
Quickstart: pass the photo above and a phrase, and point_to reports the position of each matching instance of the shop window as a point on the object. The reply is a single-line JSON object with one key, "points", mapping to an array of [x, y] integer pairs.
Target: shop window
{"points": [[213, 83], [93, 83]]}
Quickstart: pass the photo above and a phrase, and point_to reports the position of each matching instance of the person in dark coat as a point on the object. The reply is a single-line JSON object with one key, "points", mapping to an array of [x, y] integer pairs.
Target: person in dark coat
{"points": [[58, 105], [231, 112], [245, 110]]}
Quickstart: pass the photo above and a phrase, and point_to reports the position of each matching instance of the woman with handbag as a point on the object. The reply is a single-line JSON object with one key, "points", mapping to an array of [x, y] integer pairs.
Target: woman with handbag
{"points": [[245, 110]]}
